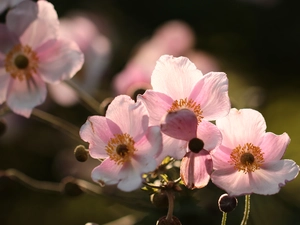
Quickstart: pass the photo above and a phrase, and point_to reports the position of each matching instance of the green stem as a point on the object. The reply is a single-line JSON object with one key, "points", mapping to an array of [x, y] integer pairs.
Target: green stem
{"points": [[171, 205], [247, 210], [87, 99], [58, 123], [224, 218]]}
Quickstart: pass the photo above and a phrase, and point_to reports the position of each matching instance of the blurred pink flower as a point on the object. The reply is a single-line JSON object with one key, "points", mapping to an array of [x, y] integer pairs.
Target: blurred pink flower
{"points": [[96, 49], [6, 4], [173, 38], [249, 158], [31, 54], [178, 85], [125, 141]]}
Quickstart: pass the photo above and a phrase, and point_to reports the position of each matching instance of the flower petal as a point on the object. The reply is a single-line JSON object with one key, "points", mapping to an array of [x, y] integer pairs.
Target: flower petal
{"points": [[24, 95], [211, 92], [274, 146], [131, 117], [147, 147], [7, 39], [242, 126], [4, 84], [272, 176], [209, 134], [195, 169], [97, 131], [131, 182], [34, 23], [59, 60], [221, 157], [157, 105], [175, 77], [181, 124]]}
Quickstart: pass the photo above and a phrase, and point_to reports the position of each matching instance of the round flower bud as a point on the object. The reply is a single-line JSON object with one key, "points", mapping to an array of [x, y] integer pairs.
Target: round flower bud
{"points": [[227, 203], [196, 145], [71, 188], [163, 221], [159, 199], [81, 154], [2, 127]]}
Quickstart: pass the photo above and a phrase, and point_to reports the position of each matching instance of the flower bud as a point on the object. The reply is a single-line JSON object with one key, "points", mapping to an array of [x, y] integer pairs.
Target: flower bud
{"points": [[196, 145], [71, 188], [227, 203], [159, 199], [81, 154], [163, 221]]}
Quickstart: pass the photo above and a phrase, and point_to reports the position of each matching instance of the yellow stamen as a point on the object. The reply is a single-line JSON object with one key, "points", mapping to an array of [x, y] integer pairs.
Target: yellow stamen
{"points": [[120, 148], [21, 62], [187, 104], [247, 158]]}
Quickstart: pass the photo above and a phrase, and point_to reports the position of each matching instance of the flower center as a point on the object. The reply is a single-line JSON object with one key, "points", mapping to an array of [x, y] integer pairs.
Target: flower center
{"points": [[21, 62], [247, 158], [120, 148], [187, 104]]}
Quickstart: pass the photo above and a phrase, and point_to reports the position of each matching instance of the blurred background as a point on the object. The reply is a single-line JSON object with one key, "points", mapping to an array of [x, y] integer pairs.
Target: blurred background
{"points": [[255, 42]]}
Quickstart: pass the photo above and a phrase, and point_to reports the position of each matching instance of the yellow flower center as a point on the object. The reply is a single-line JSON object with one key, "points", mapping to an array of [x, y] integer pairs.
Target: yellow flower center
{"points": [[120, 148], [21, 62], [247, 158], [187, 104]]}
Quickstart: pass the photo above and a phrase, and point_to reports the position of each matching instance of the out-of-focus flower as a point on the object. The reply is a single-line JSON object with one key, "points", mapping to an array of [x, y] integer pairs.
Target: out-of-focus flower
{"points": [[6, 4], [178, 85], [125, 141], [249, 158], [96, 48], [31, 54], [173, 38]]}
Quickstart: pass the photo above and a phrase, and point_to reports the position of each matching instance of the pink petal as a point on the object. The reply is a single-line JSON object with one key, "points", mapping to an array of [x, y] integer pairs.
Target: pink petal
{"points": [[4, 84], [172, 147], [131, 182], [59, 60], [107, 173], [233, 182], [157, 105], [211, 92], [272, 176], [242, 126], [147, 147], [24, 95], [195, 169], [131, 117], [175, 77], [209, 134], [221, 157], [274, 146], [97, 131], [7, 39], [34, 23], [181, 124]]}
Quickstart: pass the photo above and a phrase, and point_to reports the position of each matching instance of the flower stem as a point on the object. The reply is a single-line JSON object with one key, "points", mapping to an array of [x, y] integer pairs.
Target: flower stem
{"points": [[224, 218], [171, 205], [58, 123], [87, 99], [247, 210]]}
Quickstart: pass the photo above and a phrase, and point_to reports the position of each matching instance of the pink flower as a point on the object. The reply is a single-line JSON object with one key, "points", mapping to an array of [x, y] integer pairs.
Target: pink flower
{"points": [[125, 142], [177, 85], [249, 158], [31, 54]]}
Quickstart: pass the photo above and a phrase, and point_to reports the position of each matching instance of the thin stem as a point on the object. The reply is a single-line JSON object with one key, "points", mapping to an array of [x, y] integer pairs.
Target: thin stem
{"points": [[247, 210], [58, 123], [87, 99], [171, 205], [224, 218]]}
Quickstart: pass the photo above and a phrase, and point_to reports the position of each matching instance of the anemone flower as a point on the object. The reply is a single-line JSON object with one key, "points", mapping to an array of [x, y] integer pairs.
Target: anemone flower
{"points": [[32, 54], [125, 141], [249, 158]]}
